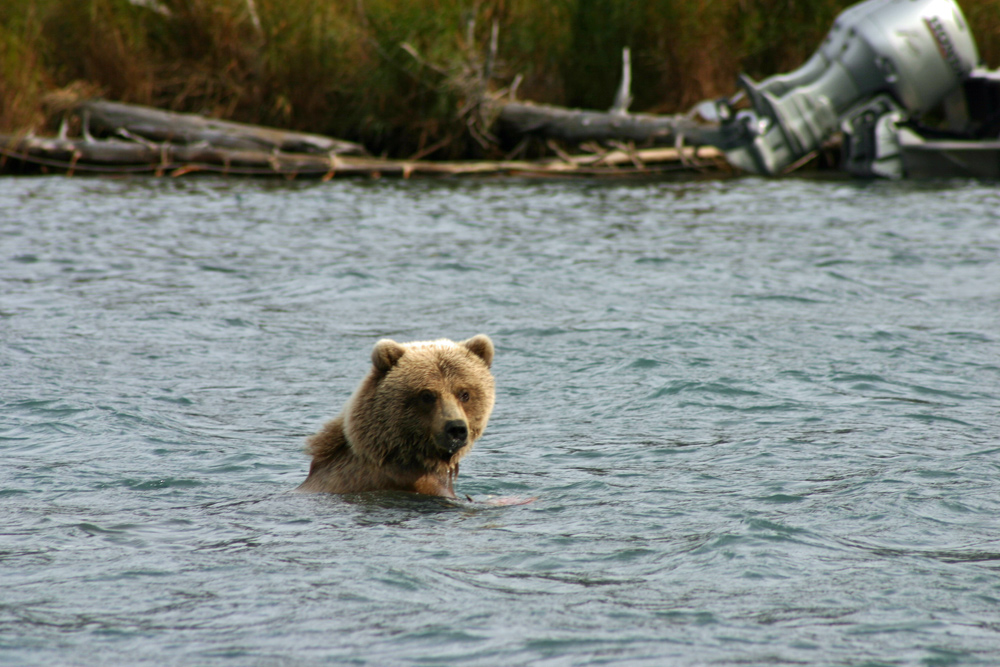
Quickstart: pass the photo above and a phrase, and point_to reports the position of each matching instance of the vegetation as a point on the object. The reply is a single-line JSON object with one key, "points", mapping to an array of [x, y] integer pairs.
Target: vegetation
{"points": [[397, 75]]}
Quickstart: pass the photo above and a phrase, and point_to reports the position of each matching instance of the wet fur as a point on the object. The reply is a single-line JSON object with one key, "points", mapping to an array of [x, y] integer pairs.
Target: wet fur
{"points": [[390, 436]]}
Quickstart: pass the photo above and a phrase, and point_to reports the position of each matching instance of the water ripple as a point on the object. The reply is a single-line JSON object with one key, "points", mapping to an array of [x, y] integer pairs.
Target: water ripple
{"points": [[759, 418]]}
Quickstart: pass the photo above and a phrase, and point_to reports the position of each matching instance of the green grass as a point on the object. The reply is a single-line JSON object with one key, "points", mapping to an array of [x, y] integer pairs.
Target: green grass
{"points": [[347, 67]]}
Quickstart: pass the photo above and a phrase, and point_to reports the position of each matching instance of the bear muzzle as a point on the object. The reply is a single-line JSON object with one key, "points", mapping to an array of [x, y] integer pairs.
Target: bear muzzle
{"points": [[454, 436]]}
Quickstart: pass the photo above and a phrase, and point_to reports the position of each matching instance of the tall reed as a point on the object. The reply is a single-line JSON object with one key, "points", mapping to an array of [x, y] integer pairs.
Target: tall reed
{"points": [[23, 78]]}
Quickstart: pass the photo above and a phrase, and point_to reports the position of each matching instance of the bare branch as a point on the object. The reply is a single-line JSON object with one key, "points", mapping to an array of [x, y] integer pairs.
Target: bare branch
{"points": [[623, 98]]}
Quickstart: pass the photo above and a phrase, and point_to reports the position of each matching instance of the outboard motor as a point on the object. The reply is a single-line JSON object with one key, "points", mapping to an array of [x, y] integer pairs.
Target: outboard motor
{"points": [[906, 54]]}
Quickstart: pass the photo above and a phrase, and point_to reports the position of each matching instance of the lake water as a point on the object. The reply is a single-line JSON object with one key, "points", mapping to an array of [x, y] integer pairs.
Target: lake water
{"points": [[761, 419]]}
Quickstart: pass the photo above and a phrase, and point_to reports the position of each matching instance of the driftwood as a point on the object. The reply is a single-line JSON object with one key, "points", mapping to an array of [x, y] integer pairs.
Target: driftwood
{"points": [[144, 140], [578, 126], [114, 118], [116, 156]]}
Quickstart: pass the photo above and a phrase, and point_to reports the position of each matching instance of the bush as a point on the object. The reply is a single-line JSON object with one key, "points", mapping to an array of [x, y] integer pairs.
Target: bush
{"points": [[395, 74]]}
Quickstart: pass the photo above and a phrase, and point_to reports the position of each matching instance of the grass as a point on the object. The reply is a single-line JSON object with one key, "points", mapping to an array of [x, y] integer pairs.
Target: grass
{"points": [[397, 74]]}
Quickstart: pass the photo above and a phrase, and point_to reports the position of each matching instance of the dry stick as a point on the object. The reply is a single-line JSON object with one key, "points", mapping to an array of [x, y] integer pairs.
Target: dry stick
{"points": [[520, 148], [470, 30], [85, 126], [432, 148], [334, 164], [409, 48], [623, 98], [679, 145], [491, 56], [628, 148], [359, 7], [514, 86], [555, 148], [482, 133], [483, 140], [125, 134], [163, 158], [600, 153], [255, 19]]}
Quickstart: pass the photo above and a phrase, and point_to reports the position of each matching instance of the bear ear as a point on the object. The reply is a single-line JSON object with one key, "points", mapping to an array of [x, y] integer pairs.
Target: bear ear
{"points": [[386, 353], [482, 347]]}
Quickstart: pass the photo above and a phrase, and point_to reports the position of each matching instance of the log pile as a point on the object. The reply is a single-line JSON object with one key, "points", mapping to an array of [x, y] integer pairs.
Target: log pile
{"points": [[73, 156], [121, 138]]}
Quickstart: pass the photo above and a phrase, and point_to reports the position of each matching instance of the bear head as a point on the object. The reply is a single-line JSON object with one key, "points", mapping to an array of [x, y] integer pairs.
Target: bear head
{"points": [[423, 404]]}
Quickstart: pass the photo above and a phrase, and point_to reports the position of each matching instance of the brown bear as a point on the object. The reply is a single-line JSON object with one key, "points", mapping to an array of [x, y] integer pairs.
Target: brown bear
{"points": [[409, 423]]}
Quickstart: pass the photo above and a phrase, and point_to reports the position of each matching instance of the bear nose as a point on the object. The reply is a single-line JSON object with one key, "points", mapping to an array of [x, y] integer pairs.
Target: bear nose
{"points": [[457, 432]]}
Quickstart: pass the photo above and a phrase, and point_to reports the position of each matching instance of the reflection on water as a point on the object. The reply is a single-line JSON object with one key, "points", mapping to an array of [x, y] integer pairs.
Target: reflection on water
{"points": [[760, 418]]}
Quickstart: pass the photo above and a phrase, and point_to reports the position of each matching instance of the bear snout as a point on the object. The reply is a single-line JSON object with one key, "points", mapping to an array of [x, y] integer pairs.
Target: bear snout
{"points": [[456, 435]]}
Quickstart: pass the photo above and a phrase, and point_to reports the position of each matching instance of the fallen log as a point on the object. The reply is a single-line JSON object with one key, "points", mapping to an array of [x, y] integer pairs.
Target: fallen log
{"points": [[576, 126], [113, 155], [116, 156], [105, 118]]}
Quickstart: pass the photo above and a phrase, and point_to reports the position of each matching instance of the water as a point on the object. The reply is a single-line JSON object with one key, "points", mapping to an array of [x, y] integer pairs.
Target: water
{"points": [[761, 418]]}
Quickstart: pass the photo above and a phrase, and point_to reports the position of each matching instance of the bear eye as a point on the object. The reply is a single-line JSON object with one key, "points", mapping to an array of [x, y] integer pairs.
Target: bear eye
{"points": [[464, 396], [427, 397]]}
